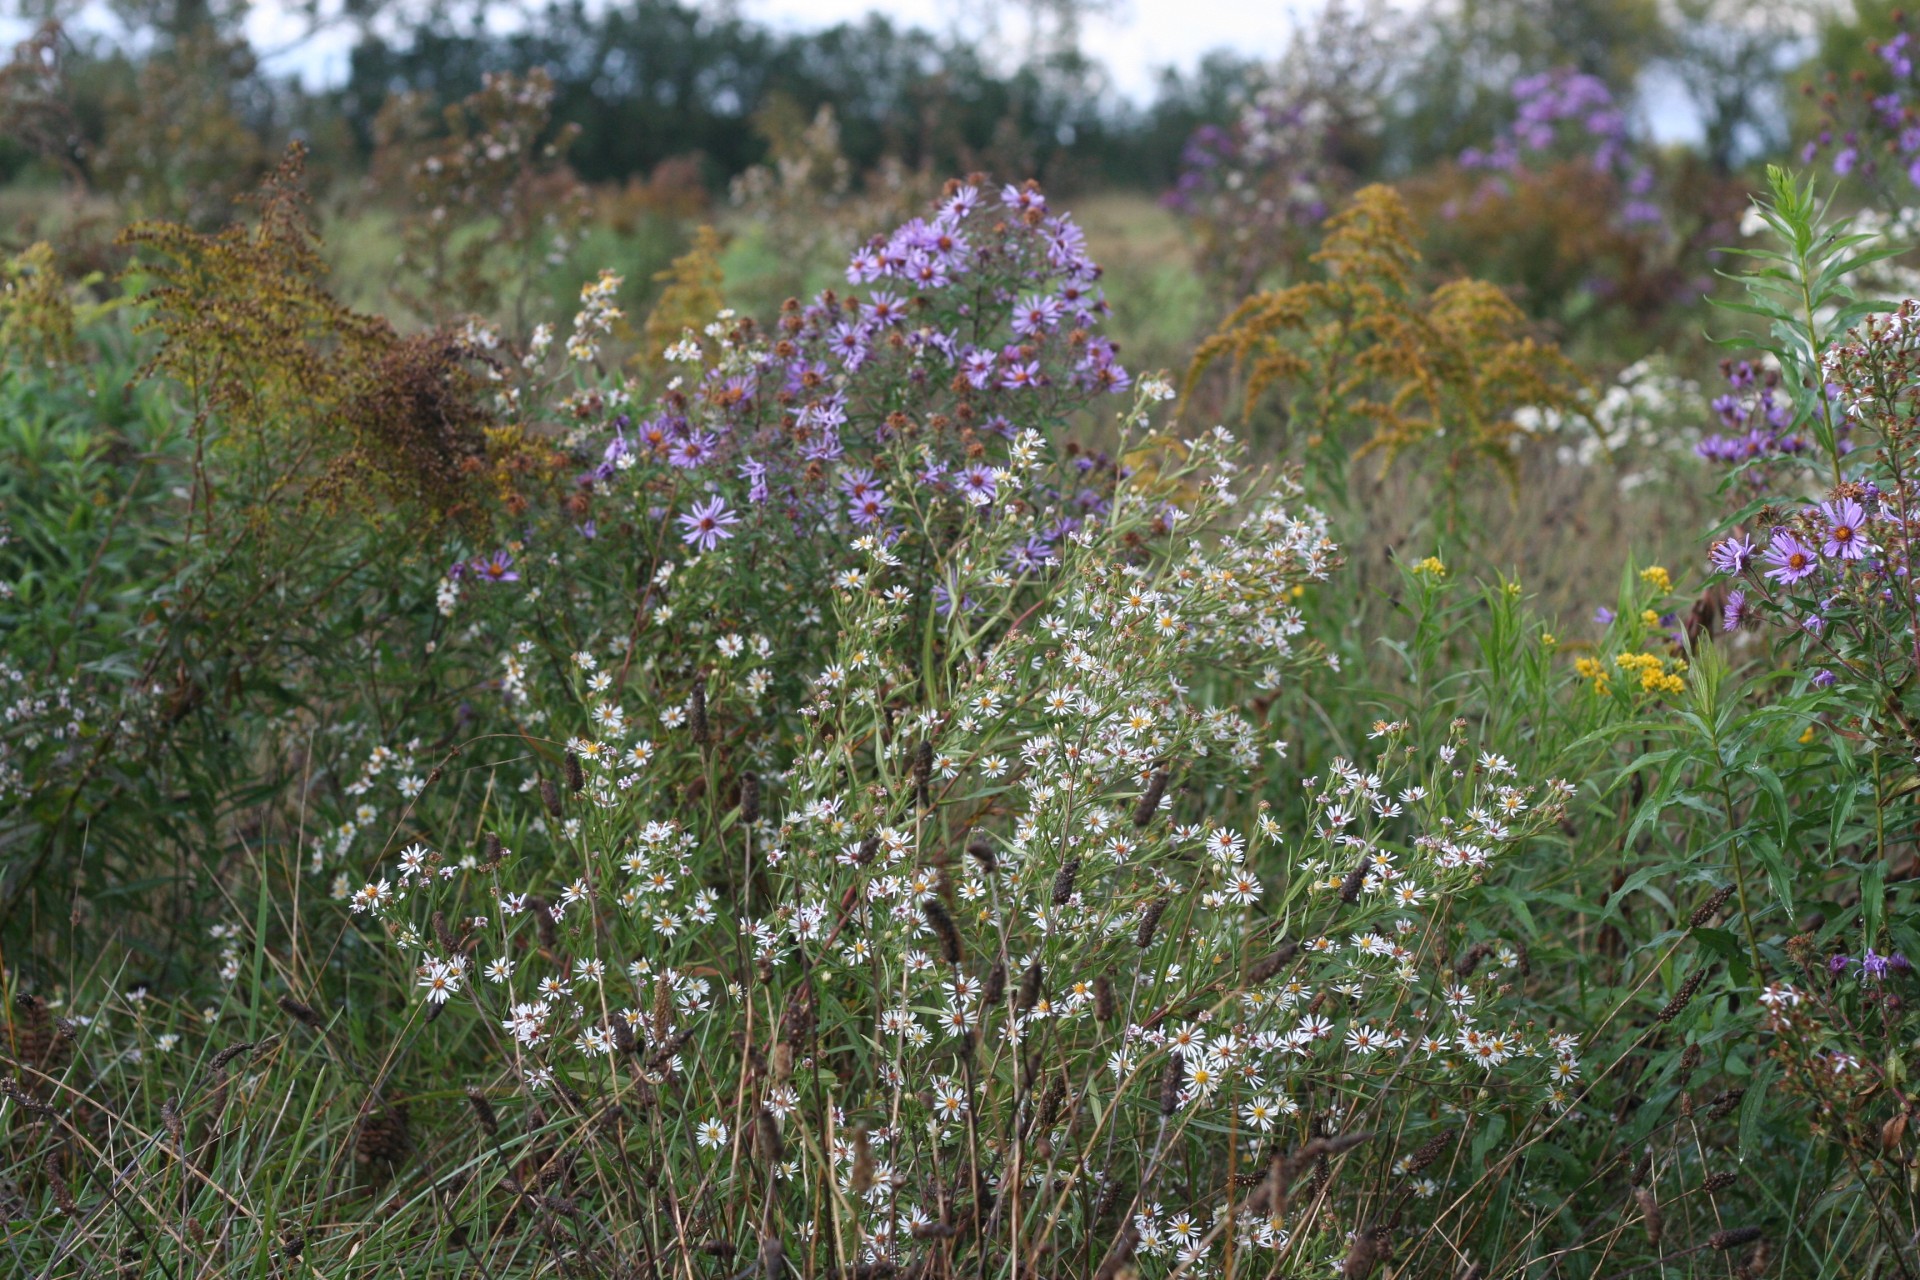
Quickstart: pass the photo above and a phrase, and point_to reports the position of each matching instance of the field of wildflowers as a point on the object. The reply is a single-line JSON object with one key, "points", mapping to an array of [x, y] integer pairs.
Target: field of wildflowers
{"points": [[667, 784]]}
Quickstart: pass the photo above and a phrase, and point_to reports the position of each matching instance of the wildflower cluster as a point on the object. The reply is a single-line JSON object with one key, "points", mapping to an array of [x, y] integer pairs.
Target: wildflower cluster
{"points": [[1870, 125], [1564, 114], [1257, 188], [1633, 422], [1634, 632]]}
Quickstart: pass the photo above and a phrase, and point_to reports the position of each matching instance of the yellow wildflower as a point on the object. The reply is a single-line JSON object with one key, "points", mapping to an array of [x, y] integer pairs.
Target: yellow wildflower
{"points": [[1432, 567], [1657, 578]]}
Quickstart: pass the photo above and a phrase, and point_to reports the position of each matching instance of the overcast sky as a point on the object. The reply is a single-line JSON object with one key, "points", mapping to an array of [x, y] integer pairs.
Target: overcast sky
{"points": [[1133, 41]]}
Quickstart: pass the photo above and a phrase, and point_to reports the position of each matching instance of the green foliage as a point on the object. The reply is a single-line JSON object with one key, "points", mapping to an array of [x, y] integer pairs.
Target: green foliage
{"points": [[425, 849]]}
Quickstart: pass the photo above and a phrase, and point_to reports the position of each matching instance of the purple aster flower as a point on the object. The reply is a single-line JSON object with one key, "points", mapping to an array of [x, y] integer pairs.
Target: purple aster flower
{"points": [[1846, 534], [1732, 555], [1839, 963], [694, 451], [1736, 614], [1020, 375], [943, 600], [1036, 315], [1874, 965], [869, 507], [498, 569], [1021, 199], [1602, 616], [1823, 679], [1792, 559], [978, 484], [1030, 555], [755, 474], [708, 523], [961, 204], [978, 368], [850, 344], [925, 271]]}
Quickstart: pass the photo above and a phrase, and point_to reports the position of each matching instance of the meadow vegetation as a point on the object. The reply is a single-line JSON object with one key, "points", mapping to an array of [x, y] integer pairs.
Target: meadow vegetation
{"points": [[909, 721]]}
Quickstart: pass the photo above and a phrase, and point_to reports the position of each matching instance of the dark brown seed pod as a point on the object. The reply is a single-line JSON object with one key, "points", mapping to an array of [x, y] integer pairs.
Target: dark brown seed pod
{"points": [[1120, 1255], [490, 848], [292, 1244], [1363, 1256], [303, 1014], [623, 1038], [170, 1117], [1269, 966], [773, 1258], [1050, 1102], [862, 1177], [1173, 1082], [1063, 882], [1674, 1007], [982, 852], [1105, 1006], [1724, 1102], [1355, 881], [1430, 1150], [1719, 1181], [662, 1012], [54, 1166], [576, 776], [1733, 1238], [767, 1144], [1029, 988], [1150, 798], [1649, 1214], [944, 929], [749, 798], [868, 851], [697, 711], [923, 774], [483, 1111], [442, 934], [716, 1248], [550, 797], [1149, 923], [381, 1136], [1707, 910], [228, 1054], [996, 985], [1689, 1059], [1471, 960]]}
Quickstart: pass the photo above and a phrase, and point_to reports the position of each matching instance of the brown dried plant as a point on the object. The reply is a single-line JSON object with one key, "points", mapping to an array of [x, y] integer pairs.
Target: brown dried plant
{"points": [[689, 299], [301, 394], [1370, 344], [491, 204]]}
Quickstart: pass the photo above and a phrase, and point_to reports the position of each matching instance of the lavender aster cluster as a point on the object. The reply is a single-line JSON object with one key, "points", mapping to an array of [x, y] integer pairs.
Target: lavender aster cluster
{"points": [[1886, 129], [960, 332], [1755, 416], [1562, 112]]}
